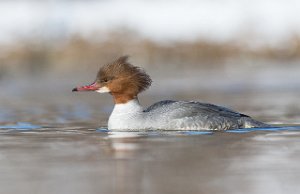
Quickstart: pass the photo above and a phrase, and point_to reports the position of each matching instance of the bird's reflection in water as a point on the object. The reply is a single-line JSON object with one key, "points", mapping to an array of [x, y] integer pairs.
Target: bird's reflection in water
{"points": [[126, 151]]}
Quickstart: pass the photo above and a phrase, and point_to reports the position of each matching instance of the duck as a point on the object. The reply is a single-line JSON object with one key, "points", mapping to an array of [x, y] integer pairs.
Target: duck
{"points": [[125, 82]]}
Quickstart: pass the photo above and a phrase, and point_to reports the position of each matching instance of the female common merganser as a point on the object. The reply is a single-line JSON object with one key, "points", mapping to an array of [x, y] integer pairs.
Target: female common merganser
{"points": [[125, 81]]}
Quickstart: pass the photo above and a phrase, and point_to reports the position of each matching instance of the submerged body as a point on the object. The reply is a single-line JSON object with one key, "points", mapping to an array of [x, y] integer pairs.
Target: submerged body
{"points": [[178, 115], [125, 81]]}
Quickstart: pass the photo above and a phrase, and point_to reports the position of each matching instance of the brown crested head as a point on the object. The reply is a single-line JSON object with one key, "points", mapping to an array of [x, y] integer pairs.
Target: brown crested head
{"points": [[123, 80]]}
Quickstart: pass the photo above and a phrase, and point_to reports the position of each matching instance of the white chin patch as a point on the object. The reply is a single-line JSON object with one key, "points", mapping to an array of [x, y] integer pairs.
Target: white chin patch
{"points": [[103, 90]]}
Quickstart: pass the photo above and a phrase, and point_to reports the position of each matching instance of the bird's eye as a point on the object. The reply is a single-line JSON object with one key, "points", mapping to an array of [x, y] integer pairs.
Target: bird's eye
{"points": [[104, 80]]}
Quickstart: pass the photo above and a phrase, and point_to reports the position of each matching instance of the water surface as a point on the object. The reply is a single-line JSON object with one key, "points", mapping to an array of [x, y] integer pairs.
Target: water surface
{"points": [[72, 159]]}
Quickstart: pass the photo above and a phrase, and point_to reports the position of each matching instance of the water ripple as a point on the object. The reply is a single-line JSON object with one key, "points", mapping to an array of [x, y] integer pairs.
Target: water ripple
{"points": [[22, 126], [247, 130]]}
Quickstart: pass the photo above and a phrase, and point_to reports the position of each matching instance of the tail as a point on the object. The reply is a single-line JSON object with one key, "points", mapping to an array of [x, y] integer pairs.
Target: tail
{"points": [[251, 123]]}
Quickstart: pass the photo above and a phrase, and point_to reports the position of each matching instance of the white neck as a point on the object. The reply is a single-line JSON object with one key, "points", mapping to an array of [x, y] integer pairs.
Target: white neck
{"points": [[132, 106], [126, 116]]}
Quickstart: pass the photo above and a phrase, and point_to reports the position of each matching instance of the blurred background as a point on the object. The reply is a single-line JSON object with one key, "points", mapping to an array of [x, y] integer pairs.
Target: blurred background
{"points": [[238, 53]]}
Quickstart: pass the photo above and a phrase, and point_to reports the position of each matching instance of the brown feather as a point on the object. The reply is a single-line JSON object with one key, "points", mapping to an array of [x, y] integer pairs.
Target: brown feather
{"points": [[123, 79]]}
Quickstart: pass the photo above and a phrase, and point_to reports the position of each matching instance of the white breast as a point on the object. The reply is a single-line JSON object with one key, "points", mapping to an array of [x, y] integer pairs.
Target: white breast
{"points": [[126, 116]]}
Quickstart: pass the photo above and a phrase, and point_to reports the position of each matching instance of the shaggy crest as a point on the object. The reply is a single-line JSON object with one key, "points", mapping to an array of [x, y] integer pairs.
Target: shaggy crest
{"points": [[121, 69]]}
